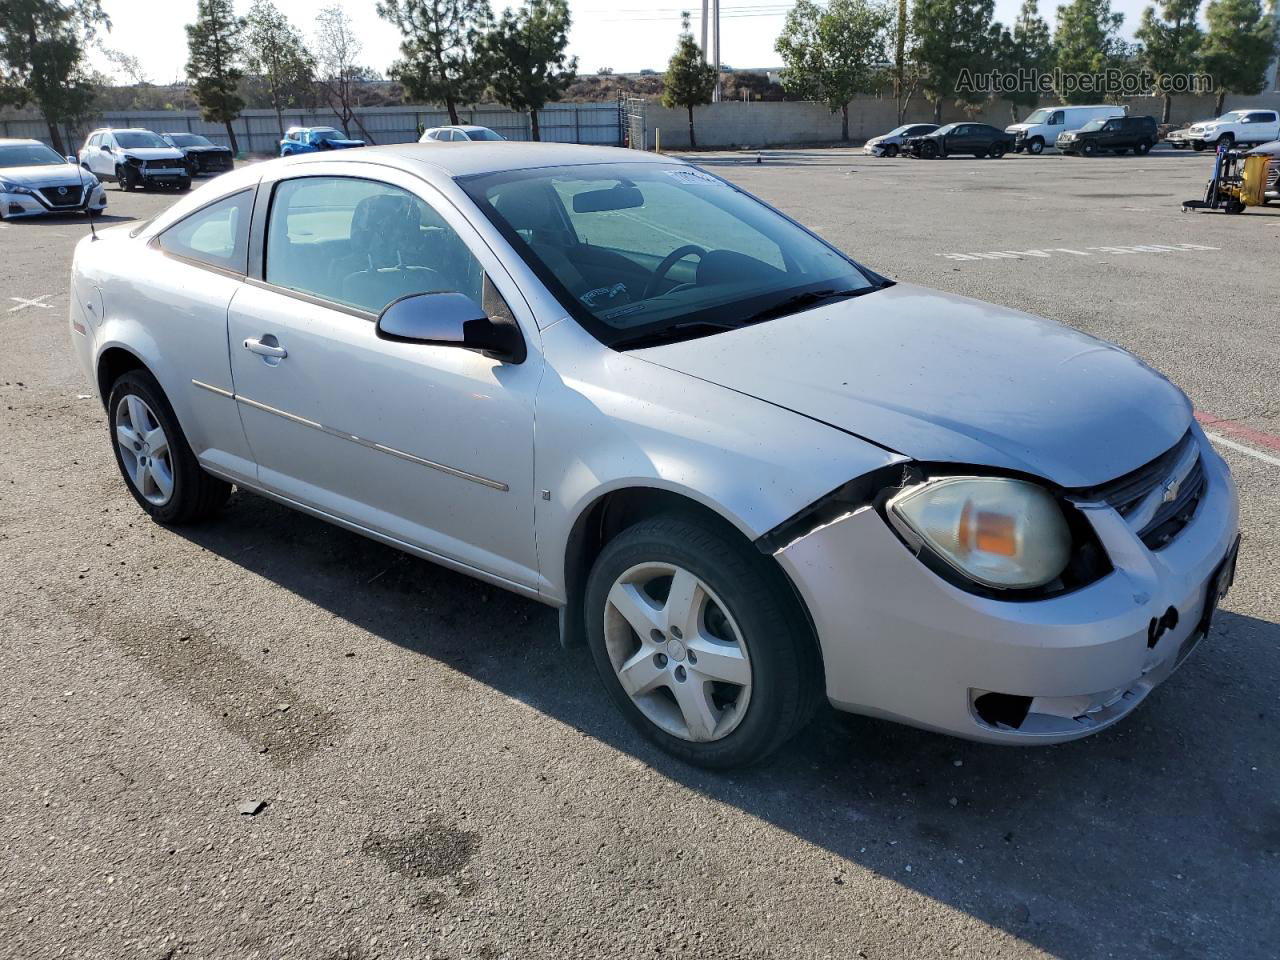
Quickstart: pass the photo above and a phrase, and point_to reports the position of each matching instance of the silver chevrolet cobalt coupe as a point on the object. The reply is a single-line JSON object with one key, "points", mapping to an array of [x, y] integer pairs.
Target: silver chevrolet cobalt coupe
{"points": [[749, 472]]}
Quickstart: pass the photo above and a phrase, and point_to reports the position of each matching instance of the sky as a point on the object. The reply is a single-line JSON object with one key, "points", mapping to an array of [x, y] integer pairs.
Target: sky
{"points": [[627, 35]]}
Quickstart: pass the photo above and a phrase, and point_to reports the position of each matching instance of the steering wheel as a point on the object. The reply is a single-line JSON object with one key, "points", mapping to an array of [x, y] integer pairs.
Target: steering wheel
{"points": [[669, 261]]}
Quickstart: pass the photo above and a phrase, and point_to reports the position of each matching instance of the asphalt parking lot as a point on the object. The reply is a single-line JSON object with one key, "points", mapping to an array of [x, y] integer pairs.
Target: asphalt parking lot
{"points": [[437, 778]]}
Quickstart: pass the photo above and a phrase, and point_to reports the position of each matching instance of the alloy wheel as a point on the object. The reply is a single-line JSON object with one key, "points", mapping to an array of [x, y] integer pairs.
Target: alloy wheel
{"points": [[144, 450], [677, 652]]}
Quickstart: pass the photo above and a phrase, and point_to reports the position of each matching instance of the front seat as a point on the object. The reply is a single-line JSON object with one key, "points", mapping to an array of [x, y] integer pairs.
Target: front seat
{"points": [[385, 230]]}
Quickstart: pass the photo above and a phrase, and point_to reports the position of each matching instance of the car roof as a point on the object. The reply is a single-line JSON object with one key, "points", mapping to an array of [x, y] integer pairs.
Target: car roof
{"points": [[14, 141], [485, 156]]}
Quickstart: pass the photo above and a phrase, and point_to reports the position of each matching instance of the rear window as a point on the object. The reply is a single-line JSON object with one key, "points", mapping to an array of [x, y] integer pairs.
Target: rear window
{"points": [[217, 235]]}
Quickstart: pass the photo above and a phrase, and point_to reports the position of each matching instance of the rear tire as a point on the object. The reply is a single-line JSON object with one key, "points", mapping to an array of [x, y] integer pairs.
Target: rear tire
{"points": [[153, 455], [740, 620]]}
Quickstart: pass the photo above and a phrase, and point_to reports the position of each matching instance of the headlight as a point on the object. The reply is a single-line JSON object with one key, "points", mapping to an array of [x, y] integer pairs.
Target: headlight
{"points": [[7, 186], [1002, 533], [129, 159]]}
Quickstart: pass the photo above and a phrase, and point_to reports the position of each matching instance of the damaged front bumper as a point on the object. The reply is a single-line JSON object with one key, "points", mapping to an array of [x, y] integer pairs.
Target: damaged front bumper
{"points": [[900, 642]]}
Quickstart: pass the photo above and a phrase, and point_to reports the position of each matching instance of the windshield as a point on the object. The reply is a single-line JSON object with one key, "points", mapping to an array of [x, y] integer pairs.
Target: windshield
{"points": [[29, 155], [640, 253], [1235, 116], [1093, 125], [947, 129], [484, 134], [139, 140], [1039, 116], [190, 140], [326, 133]]}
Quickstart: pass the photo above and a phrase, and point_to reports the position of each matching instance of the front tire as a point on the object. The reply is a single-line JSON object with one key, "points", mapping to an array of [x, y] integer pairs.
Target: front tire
{"points": [[126, 178], [1143, 148], [1090, 149], [184, 184], [699, 642], [997, 151], [1035, 145], [891, 150], [929, 151], [154, 457]]}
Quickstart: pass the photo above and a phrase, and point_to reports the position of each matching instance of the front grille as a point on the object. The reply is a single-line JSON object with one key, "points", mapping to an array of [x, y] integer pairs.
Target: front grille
{"points": [[62, 196], [1147, 498], [1173, 515]]}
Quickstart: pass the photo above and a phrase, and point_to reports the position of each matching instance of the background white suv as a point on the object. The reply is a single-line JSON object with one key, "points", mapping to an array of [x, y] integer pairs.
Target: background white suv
{"points": [[134, 158]]}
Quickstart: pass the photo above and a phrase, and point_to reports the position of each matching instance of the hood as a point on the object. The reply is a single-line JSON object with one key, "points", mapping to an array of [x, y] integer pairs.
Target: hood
{"points": [[1018, 127], [944, 378], [346, 143], [151, 153], [51, 175]]}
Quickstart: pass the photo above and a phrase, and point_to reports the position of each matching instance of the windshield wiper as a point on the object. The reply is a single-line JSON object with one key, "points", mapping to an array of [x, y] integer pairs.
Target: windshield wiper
{"points": [[686, 330], [802, 301]]}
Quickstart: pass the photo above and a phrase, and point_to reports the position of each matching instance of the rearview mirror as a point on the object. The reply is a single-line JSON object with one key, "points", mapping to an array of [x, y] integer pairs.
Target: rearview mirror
{"points": [[618, 197], [451, 319]]}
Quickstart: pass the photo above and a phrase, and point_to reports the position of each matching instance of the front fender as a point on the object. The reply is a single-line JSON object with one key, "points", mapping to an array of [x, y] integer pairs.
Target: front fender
{"points": [[609, 421]]}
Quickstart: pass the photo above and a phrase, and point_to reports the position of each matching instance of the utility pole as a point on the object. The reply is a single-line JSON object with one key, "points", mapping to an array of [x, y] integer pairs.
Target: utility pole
{"points": [[706, 58], [715, 47]]}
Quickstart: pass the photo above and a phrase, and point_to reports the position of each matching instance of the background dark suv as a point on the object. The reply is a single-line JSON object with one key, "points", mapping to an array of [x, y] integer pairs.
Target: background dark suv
{"points": [[1116, 134]]}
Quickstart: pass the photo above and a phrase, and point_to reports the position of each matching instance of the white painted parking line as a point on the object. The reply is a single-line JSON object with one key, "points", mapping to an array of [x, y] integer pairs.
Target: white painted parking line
{"points": [[1241, 448], [23, 303], [1047, 252]]}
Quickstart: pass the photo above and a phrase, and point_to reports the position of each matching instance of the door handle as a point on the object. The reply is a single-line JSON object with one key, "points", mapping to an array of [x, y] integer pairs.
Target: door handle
{"points": [[266, 349]]}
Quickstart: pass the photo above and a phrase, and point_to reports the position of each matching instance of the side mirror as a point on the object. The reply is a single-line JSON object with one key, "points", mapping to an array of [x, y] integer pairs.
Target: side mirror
{"points": [[105, 149], [451, 319], [71, 159]]}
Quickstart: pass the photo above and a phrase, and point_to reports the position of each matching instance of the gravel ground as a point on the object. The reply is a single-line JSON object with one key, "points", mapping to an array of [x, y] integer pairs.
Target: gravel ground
{"points": [[429, 775]]}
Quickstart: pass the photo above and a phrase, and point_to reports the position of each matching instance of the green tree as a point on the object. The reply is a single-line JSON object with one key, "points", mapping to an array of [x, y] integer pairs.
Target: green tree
{"points": [[213, 64], [1239, 46], [1087, 41], [953, 36], [830, 55], [274, 50], [1170, 43], [688, 81], [42, 59], [341, 77], [1028, 48], [440, 58], [526, 59]]}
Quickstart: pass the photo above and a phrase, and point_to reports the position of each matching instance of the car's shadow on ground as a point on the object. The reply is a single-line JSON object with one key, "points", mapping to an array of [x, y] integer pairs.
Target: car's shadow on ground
{"points": [[1154, 838], [59, 219]]}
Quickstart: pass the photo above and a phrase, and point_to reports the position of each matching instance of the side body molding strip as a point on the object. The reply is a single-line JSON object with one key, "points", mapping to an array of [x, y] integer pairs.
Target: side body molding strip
{"points": [[351, 437]]}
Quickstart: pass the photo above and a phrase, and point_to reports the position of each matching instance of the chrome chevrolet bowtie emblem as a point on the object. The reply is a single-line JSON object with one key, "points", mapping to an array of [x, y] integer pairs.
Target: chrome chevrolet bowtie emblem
{"points": [[1171, 490]]}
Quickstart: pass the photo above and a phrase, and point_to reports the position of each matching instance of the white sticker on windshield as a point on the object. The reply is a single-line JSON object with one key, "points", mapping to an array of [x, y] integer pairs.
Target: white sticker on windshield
{"points": [[687, 175]]}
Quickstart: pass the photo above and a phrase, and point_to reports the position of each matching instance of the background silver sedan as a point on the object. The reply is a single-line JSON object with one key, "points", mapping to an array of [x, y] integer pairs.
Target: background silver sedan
{"points": [[749, 472]]}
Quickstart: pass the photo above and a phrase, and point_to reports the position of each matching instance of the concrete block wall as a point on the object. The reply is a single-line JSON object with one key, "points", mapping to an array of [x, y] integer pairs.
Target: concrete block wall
{"points": [[764, 124]]}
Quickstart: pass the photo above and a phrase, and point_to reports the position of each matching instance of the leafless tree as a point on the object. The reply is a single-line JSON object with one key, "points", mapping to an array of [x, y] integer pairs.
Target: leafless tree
{"points": [[340, 77]]}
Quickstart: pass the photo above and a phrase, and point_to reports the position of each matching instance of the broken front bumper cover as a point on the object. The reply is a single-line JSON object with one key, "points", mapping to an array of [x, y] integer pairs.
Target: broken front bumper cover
{"points": [[900, 642]]}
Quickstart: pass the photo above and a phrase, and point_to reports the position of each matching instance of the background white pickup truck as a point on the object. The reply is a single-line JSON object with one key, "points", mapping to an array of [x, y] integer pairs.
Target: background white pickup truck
{"points": [[1235, 126]]}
